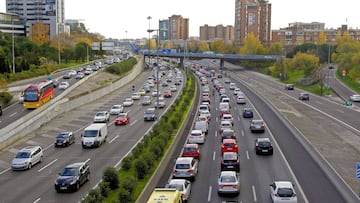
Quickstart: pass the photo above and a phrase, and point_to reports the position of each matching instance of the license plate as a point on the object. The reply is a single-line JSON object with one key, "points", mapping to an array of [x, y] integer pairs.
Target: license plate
{"points": [[264, 150], [229, 148], [230, 166], [63, 188]]}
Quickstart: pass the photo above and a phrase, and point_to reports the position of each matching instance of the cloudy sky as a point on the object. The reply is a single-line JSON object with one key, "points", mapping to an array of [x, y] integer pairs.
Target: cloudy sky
{"points": [[120, 19]]}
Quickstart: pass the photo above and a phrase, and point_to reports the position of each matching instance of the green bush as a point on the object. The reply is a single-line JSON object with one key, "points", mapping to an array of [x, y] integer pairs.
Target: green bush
{"points": [[124, 196], [129, 183], [141, 168], [104, 188], [110, 176], [127, 163], [94, 196], [5, 97]]}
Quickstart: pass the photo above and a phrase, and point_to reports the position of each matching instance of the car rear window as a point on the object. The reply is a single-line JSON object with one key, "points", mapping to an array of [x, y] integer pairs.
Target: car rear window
{"points": [[190, 149], [182, 166], [285, 192], [227, 179], [228, 156], [228, 144], [264, 144]]}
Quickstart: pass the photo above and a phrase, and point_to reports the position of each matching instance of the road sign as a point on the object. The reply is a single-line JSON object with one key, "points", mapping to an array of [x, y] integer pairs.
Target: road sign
{"points": [[358, 170]]}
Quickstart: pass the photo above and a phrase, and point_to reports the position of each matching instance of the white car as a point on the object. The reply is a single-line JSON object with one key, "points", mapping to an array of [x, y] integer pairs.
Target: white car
{"points": [[205, 113], [173, 88], [183, 185], [228, 183], [128, 102], [21, 98], [240, 99], [72, 72], [160, 102], [116, 109], [196, 137], [64, 85], [102, 117], [155, 93], [282, 192], [135, 96], [228, 117], [355, 98]]}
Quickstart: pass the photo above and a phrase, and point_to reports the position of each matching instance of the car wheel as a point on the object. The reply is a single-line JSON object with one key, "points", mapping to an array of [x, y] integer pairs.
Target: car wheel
{"points": [[29, 166], [88, 177], [77, 186], [41, 159]]}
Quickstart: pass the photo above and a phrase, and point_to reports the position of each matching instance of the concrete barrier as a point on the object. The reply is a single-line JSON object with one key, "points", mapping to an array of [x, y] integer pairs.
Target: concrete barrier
{"points": [[58, 105]]}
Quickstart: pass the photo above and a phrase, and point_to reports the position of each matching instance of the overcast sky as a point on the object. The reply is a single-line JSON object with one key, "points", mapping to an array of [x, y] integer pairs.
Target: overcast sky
{"points": [[120, 18]]}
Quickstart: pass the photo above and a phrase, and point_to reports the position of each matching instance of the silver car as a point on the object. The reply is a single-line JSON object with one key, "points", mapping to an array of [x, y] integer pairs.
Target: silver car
{"points": [[102, 117], [185, 167], [27, 157], [184, 186], [228, 183]]}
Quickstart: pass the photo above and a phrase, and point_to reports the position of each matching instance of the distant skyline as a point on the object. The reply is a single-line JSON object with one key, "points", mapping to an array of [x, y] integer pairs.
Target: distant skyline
{"points": [[128, 19]]}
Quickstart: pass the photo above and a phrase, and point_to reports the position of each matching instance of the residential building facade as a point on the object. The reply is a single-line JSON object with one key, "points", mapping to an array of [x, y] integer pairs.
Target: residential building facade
{"points": [[164, 29], [252, 16], [178, 28], [10, 23], [211, 33], [49, 12]]}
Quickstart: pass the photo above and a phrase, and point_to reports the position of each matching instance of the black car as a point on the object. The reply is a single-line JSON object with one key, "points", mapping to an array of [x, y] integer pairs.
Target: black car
{"points": [[304, 96], [289, 87], [150, 114], [72, 177], [230, 162], [263, 146], [248, 113], [64, 139]]}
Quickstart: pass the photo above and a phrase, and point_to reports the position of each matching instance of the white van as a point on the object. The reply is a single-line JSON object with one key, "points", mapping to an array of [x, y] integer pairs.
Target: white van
{"points": [[94, 135]]}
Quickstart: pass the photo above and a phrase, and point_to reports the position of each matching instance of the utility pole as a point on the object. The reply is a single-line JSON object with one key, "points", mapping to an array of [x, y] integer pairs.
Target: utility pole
{"points": [[13, 46]]}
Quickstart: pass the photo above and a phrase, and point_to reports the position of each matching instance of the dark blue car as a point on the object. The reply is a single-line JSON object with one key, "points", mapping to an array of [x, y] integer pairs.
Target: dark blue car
{"points": [[248, 113]]}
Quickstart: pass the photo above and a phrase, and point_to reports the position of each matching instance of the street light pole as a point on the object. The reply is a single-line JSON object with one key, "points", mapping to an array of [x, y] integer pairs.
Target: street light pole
{"points": [[59, 55], [149, 62], [13, 47], [328, 73]]}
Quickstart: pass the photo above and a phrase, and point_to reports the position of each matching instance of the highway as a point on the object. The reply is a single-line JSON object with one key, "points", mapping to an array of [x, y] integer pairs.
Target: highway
{"points": [[337, 86], [291, 160], [37, 184]]}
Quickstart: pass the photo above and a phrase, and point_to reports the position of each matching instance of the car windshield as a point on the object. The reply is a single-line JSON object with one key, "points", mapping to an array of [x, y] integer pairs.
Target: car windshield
{"points": [[264, 144], [182, 166], [63, 135], [227, 179], [90, 133], [63, 83], [285, 192], [100, 114], [116, 107], [225, 124], [228, 133], [22, 155], [69, 172], [229, 156], [121, 116], [195, 134]]}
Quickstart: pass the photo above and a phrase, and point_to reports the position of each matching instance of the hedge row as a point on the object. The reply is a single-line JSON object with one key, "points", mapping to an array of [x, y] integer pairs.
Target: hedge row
{"points": [[136, 168], [123, 67]]}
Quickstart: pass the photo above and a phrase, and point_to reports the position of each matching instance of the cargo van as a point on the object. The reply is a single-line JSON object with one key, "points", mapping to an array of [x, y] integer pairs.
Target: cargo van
{"points": [[165, 195], [94, 135]]}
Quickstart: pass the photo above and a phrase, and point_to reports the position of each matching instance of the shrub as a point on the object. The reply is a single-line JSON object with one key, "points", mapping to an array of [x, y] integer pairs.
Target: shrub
{"points": [[5, 97], [104, 188], [94, 196], [110, 176], [127, 162], [124, 196], [141, 168], [129, 183]]}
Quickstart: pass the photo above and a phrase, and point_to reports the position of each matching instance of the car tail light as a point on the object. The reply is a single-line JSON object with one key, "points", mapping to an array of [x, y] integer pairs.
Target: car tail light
{"points": [[190, 171], [294, 195], [277, 195], [222, 162], [174, 171]]}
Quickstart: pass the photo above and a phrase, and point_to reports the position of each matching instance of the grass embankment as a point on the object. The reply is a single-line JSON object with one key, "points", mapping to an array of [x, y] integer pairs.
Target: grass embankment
{"points": [[352, 84], [138, 167]]}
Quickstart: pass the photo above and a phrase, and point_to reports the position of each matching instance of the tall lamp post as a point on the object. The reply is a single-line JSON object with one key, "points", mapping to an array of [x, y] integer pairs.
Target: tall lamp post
{"points": [[149, 18], [13, 46], [59, 55], [328, 72], [157, 65]]}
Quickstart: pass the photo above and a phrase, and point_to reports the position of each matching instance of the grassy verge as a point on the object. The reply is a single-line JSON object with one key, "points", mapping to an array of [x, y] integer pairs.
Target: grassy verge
{"points": [[138, 167]]}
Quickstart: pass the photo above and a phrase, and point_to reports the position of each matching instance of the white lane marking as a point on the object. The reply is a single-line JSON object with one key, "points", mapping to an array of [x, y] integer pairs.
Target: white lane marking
{"points": [[340, 111], [319, 102], [242, 133], [214, 156], [114, 138], [133, 123], [254, 193], [247, 155], [238, 118], [4, 171], [215, 133], [217, 118], [209, 195], [13, 114], [47, 165], [37, 200]]}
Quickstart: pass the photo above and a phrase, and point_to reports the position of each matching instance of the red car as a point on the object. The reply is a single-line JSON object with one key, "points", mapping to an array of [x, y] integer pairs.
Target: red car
{"points": [[191, 150], [229, 145], [122, 119], [167, 93]]}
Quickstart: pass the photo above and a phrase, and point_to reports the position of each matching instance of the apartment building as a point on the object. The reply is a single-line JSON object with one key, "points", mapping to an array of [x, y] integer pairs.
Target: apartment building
{"points": [[10, 23], [252, 16], [48, 12], [211, 33], [178, 28]]}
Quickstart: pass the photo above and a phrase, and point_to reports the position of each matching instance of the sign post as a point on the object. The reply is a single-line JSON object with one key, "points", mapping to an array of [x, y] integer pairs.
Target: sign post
{"points": [[358, 172]]}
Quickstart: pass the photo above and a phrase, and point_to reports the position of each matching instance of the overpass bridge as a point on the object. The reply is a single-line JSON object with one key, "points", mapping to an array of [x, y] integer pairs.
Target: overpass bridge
{"points": [[221, 57]]}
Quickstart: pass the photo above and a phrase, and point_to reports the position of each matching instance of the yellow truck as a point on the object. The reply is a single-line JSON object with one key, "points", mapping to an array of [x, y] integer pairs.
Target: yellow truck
{"points": [[165, 195]]}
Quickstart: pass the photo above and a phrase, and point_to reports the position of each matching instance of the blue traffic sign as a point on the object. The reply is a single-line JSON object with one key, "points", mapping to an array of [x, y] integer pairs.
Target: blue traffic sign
{"points": [[358, 170]]}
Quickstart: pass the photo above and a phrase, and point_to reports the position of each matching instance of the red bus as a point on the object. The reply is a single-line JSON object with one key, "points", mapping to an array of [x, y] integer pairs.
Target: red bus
{"points": [[38, 94]]}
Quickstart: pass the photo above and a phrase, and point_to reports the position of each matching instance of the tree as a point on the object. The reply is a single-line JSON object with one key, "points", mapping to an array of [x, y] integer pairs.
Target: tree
{"points": [[110, 175], [252, 45], [40, 33], [218, 46], [276, 49], [81, 51], [306, 62], [203, 46], [322, 38]]}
